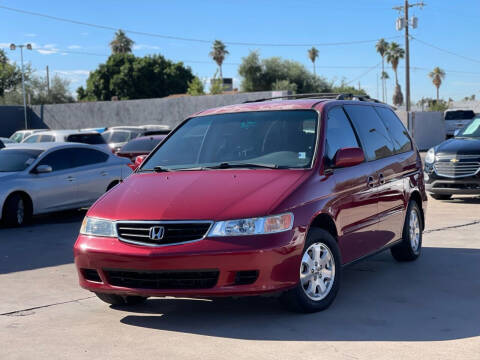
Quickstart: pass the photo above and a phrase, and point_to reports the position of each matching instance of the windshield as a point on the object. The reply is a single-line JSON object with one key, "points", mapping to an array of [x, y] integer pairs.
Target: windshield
{"points": [[472, 129], [17, 160], [144, 144], [283, 139]]}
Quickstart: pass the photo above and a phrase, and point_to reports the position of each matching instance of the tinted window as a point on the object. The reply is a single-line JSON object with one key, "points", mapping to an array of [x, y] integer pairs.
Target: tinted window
{"points": [[86, 157], [371, 130], [47, 138], [120, 136], [282, 138], [60, 159], [145, 144], [459, 115], [92, 139], [395, 128], [17, 160], [339, 133], [31, 139]]}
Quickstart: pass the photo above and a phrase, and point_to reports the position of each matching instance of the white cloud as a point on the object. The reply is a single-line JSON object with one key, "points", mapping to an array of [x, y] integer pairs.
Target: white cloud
{"points": [[75, 76], [74, 47], [46, 49], [145, 47]]}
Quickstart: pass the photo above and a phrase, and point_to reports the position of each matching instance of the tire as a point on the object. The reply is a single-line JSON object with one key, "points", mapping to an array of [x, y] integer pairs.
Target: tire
{"points": [[411, 246], [16, 211], [441, 196], [121, 300], [308, 296]]}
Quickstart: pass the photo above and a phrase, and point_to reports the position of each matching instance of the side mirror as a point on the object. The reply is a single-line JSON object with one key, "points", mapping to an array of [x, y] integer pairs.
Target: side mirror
{"points": [[346, 157], [139, 160], [43, 169]]}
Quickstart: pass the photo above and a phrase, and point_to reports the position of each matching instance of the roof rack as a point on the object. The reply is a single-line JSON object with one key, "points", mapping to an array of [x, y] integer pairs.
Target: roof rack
{"points": [[335, 96]]}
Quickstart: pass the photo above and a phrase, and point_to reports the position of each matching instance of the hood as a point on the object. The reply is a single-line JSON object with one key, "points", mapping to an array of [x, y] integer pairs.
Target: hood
{"points": [[198, 195], [459, 146], [8, 175]]}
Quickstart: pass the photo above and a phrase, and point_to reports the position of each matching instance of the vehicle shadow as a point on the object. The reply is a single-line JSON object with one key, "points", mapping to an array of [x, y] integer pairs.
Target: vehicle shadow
{"points": [[435, 298], [47, 241]]}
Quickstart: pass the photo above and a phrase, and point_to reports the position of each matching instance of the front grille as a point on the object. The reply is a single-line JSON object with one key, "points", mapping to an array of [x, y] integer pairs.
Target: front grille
{"points": [[174, 232], [162, 280], [457, 166]]}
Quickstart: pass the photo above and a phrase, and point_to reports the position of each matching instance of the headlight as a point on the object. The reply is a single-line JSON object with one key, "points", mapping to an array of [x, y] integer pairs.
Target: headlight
{"points": [[430, 157], [98, 227], [253, 226]]}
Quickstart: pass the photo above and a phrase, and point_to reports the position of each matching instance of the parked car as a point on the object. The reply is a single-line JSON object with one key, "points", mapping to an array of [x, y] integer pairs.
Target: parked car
{"points": [[99, 130], [76, 136], [44, 177], [19, 135], [140, 146], [118, 136], [453, 167], [456, 119], [272, 197]]}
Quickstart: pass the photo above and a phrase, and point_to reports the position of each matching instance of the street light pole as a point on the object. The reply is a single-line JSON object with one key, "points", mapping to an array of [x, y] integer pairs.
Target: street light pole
{"points": [[29, 47]]}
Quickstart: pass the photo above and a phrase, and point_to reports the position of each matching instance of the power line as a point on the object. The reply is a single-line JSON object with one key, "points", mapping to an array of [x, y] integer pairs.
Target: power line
{"points": [[363, 74], [170, 37], [445, 51]]}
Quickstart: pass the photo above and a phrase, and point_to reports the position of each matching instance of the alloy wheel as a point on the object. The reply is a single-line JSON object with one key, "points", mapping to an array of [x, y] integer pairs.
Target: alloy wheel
{"points": [[415, 231], [317, 271], [20, 211]]}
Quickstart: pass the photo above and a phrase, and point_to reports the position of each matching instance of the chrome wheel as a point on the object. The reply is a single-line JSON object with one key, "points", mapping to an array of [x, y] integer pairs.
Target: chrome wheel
{"points": [[317, 271], [415, 231], [20, 211]]}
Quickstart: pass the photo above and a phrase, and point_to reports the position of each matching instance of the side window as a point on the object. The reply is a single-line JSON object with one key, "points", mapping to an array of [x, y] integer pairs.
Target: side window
{"points": [[339, 133], [395, 128], [89, 157], [372, 132], [47, 138], [60, 159], [32, 139]]}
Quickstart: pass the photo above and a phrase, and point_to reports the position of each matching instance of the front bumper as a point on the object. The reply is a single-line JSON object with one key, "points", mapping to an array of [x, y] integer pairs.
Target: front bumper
{"points": [[275, 257]]}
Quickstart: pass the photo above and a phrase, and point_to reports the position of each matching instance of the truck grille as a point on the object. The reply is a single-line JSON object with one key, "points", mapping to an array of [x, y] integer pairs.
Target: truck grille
{"points": [[172, 232], [457, 166], [163, 280]]}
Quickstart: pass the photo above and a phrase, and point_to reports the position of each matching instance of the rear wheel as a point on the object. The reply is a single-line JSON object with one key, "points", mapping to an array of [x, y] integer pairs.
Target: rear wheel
{"points": [[120, 300], [16, 210], [411, 246], [319, 274], [441, 196]]}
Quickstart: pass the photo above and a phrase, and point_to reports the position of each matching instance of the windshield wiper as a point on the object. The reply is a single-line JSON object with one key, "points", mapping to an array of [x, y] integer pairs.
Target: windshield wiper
{"points": [[226, 165], [155, 169]]}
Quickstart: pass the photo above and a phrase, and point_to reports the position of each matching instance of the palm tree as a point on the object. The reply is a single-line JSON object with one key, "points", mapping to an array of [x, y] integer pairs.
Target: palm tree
{"points": [[121, 44], [313, 55], [384, 78], [382, 47], [437, 75], [218, 54], [394, 54]]}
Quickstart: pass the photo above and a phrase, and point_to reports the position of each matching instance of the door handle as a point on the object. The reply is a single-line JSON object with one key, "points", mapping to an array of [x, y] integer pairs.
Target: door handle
{"points": [[104, 173], [381, 179], [370, 182], [70, 178]]}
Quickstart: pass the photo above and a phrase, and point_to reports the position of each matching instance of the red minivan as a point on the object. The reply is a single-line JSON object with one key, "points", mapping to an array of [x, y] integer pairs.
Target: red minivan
{"points": [[270, 197]]}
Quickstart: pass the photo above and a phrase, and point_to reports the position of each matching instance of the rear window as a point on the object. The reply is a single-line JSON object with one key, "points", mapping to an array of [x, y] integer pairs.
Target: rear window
{"points": [[92, 139], [141, 144], [118, 136], [460, 115], [17, 160]]}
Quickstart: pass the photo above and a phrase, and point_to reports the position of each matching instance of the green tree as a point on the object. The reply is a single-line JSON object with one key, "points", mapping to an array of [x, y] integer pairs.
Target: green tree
{"points": [[195, 87], [269, 74], [394, 54], [313, 55], [218, 54], [121, 44], [437, 76], [10, 74], [126, 76], [382, 47], [216, 84]]}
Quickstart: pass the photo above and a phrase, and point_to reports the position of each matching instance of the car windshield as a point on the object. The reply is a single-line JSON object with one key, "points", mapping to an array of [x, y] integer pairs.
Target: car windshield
{"points": [[12, 160], [471, 130], [276, 139], [144, 144], [17, 137]]}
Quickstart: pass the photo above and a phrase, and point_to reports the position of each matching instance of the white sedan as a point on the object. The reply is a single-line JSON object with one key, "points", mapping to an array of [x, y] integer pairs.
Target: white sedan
{"points": [[45, 177]]}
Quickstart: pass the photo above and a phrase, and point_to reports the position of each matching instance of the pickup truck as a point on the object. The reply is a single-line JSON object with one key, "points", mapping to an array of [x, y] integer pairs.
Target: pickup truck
{"points": [[455, 119]]}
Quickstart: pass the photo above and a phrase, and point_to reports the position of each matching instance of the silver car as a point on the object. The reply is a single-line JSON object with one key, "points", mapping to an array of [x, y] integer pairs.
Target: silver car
{"points": [[44, 177], [76, 136]]}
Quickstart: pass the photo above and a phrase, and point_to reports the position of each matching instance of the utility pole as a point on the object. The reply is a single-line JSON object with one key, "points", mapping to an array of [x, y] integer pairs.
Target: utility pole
{"points": [[48, 83], [404, 23], [28, 47]]}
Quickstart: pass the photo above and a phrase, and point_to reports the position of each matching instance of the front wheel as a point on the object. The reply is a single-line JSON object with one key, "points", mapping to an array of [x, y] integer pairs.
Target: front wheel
{"points": [[15, 211], [120, 300], [410, 247], [319, 274]]}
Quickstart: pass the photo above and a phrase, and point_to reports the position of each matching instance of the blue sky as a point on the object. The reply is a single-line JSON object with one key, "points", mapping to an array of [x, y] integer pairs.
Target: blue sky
{"points": [[451, 25]]}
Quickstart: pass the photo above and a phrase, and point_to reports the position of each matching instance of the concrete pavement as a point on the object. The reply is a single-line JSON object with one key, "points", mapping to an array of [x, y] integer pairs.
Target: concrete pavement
{"points": [[385, 310]]}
